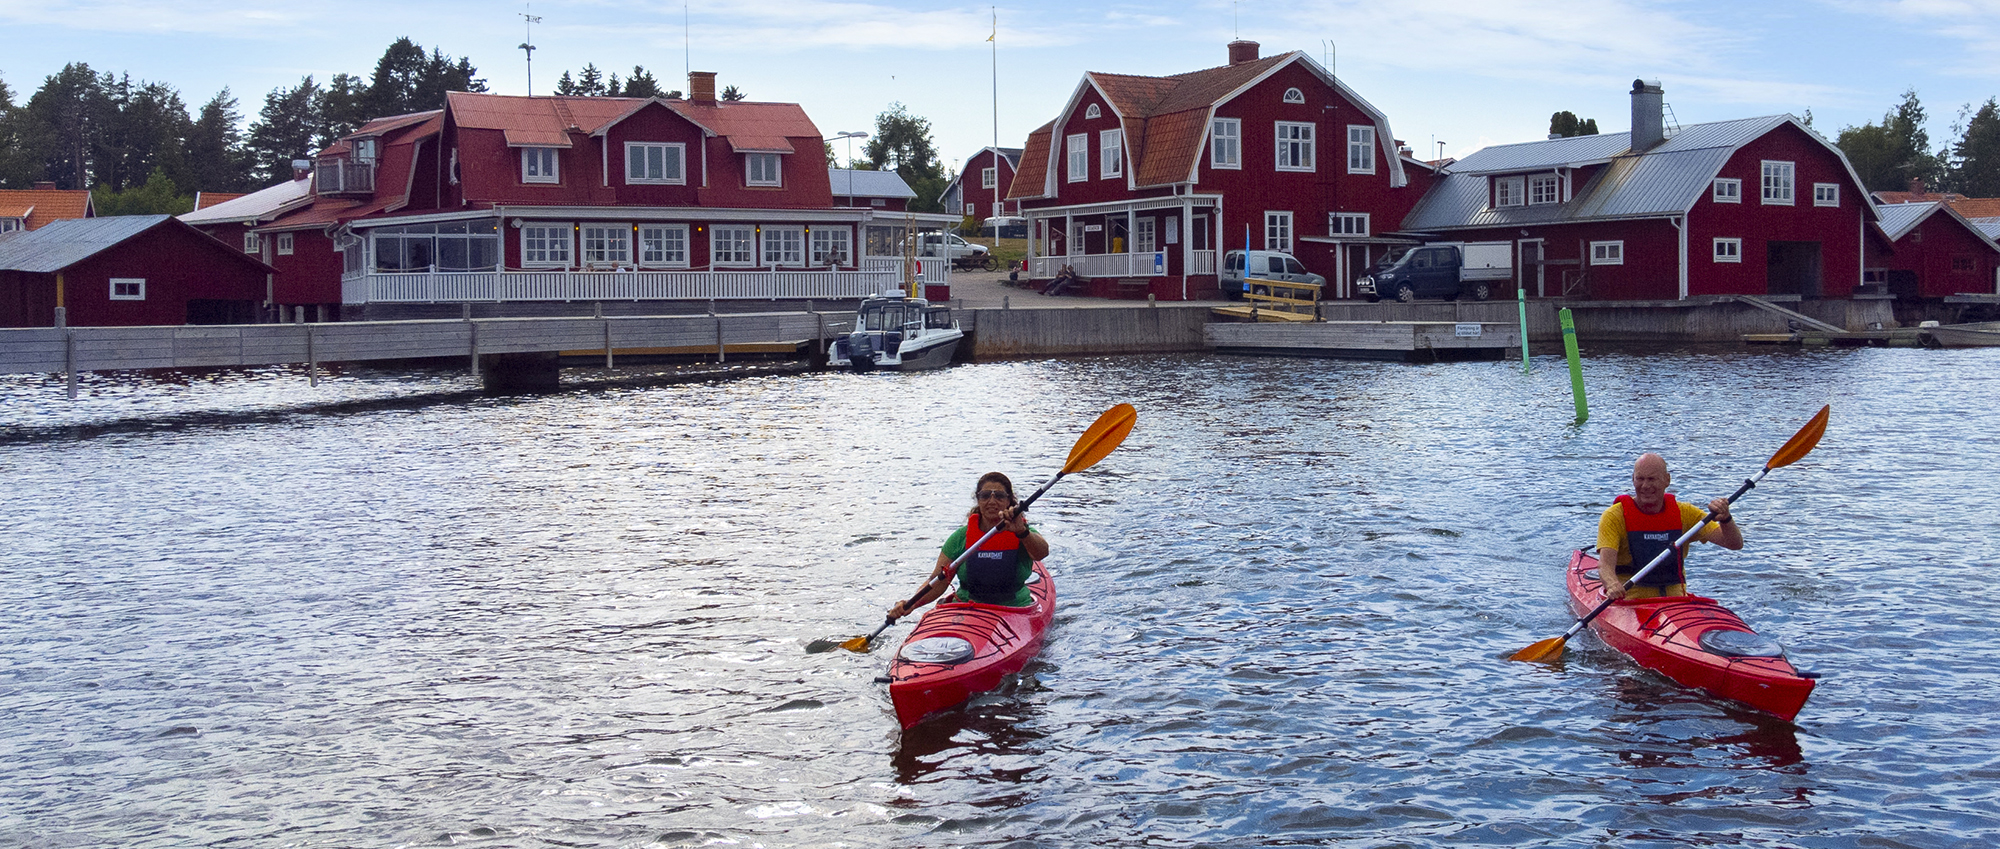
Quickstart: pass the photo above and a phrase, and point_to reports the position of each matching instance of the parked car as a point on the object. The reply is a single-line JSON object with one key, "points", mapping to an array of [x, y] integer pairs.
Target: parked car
{"points": [[1004, 227], [963, 254], [1440, 270], [1241, 268]]}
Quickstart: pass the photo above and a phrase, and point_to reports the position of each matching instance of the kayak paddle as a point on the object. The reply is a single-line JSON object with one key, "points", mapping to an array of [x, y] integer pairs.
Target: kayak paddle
{"points": [[1097, 441], [1798, 446]]}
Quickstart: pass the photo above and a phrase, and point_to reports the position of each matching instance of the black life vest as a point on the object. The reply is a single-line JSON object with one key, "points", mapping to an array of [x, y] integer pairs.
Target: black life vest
{"points": [[993, 574], [1648, 534]]}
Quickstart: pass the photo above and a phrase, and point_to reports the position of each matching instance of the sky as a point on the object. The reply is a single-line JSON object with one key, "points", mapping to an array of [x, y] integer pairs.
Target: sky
{"points": [[1453, 76]]}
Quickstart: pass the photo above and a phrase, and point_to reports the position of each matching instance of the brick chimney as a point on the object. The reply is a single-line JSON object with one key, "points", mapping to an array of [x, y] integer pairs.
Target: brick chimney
{"points": [[701, 86], [1242, 51], [1649, 126], [46, 185], [1917, 186], [301, 168]]}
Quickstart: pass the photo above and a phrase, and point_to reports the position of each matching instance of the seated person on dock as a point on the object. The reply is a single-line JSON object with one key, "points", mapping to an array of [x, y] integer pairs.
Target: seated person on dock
{"points": [[998, 572], [1639, 526]]}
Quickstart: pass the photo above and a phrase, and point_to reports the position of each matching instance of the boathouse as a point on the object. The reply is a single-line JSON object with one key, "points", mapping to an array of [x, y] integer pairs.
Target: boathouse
{"points": [[1140, 183], [1930, 251], [129, 270]]}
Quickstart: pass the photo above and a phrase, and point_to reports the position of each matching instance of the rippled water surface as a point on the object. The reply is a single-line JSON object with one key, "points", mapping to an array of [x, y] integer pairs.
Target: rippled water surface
{"points": [[387, 611]]}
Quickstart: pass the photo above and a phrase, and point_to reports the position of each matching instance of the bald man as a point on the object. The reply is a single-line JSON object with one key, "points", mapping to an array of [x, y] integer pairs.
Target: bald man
{"points": [[1639, 526]]}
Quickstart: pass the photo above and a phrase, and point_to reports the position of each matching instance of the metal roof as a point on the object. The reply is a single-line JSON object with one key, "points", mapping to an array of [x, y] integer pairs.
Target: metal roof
{"points": [[868, 184], [64, 243], [1898, 219], [254, 206]]}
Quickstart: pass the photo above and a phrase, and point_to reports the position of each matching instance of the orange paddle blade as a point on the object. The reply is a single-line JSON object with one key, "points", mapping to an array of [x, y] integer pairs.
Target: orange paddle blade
{"points": [[1802, 442], [1104, 435], [858, 644], [1542, 652]]}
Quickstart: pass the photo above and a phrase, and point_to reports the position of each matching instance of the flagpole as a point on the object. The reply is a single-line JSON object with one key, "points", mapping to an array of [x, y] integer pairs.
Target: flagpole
{"points": [[994, 40]]}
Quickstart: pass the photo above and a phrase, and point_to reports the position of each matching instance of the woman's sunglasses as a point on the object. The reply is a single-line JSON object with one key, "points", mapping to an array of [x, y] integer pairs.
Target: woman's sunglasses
{"points": [[994, 495]]}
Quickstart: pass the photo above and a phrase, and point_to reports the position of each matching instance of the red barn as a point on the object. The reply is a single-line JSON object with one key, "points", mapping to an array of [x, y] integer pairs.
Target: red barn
{"points": [[1147, 180], [1757, 206], [123, 271], [1929, 250]]}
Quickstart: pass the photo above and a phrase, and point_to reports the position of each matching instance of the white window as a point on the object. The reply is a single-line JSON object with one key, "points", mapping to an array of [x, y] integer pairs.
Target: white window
{"points": [[1092, 111], [1360, 149], [761, 169], [1544, 189], [1111, 153], [284, 244], [1347, 223], [1225, 143], [1507, 191], [830, 246], [1278, 231], [1293, 95], [649, 162], [545, 245], [1142, 236], [1728, 250], [1726, 190], [607, 244], [1076, 232], [732, 244], [664, 245], [1826, 194], [1777, 183], [1295, 146], [972, 207], [538, 165], [1172, 229], [1607, 253], [364, 150], [784, 246], [128, 288], [9, 225], [989, 178], [252, 243], [1079, 157]]}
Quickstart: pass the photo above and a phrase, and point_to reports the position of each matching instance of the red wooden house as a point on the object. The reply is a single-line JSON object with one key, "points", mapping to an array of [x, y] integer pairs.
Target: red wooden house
{"points": [[1929, 250], [1758, 206], [979, 190], [130, 270], [1140, 183], [299, 255], [504, 199]]}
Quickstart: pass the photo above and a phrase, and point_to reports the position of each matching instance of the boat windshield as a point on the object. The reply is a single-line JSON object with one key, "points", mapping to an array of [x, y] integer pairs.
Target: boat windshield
{"points": [[882, 317], [937, 318]]}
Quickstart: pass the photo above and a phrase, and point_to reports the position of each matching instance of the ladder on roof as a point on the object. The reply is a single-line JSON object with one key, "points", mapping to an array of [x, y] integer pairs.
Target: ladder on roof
{"points": [[1672, 123]]}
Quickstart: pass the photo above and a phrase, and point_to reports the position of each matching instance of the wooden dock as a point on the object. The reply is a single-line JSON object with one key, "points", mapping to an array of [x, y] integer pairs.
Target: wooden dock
{"points": [[1408, 341], [1274, 300]]}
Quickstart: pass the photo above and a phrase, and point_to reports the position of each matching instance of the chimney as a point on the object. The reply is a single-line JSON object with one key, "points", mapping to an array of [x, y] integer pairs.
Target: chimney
{"points": [[301, 168], [701, 86], [46, 185], [1242, 51], [1649, 126], [1917, 186]]}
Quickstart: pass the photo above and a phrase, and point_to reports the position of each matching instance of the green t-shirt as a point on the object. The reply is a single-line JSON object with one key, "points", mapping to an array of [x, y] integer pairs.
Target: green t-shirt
{"points": [[954, 546]]}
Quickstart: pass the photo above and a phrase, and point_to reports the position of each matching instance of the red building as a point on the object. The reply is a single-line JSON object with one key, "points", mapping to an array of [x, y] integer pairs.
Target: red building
{"points": [[979, 190], [300, 255], [1929, 250], [1758, 206], [132, 270], [1140, 183], [30, 209]]}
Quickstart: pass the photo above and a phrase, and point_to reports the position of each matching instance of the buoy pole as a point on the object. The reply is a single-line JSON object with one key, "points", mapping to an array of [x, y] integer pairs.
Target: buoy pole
{"points": [[1575, 367]]}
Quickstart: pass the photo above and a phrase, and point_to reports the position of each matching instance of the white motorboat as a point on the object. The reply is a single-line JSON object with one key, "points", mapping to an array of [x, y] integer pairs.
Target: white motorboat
{"points": [[1985, 334], [897, 333]]}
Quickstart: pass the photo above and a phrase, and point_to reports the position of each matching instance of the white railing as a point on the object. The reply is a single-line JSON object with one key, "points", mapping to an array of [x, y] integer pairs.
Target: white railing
{"points": [[876, 275], [1201, 262], [1113, 265]]}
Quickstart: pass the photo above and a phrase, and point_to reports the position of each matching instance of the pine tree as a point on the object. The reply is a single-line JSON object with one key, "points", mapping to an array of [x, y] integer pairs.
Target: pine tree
{"points": [[215, 159], [1976, 166], [284, 131]]}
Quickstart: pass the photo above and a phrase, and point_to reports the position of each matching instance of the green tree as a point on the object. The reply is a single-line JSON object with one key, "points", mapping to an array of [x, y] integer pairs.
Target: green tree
{"points": [[20, 162], [65, 117], [215, 156], [1889, 155], [157, 196], [732, 93], [1975, 167], [343, 108], [642, 84], [1566, 125], [287, 129], [144, 128], [902, 143]]}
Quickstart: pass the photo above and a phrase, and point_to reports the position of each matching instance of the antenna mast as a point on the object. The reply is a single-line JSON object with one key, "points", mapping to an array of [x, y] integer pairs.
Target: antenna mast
{"points": [[528, 47]]}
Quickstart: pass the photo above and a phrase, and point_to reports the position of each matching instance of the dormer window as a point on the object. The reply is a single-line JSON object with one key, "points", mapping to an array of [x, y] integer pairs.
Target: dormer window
{"points": [[1092, 111], [1544, 189], [364, 150], [1293, 95], [538, 165], [762, 170], [1507, 191]]}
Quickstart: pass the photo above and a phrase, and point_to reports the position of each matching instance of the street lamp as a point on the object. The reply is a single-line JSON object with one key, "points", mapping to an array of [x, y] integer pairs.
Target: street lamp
{"points": [[850, 137]]}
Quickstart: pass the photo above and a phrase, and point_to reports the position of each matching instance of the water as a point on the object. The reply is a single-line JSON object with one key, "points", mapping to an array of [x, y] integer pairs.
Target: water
{"points": [[389, 612]]}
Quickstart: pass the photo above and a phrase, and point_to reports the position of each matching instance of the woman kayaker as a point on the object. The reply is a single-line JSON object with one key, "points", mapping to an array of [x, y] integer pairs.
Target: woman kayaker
{"points": [[998, 572], [1637, 527]]}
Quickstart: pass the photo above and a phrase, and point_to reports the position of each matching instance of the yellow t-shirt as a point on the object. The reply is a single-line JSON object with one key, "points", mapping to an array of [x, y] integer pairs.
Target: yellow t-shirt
{"points": [[1611, 529]]}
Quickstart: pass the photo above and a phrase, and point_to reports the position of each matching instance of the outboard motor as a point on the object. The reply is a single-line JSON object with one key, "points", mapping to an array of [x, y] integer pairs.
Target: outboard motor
{"points": [[860, 351]]}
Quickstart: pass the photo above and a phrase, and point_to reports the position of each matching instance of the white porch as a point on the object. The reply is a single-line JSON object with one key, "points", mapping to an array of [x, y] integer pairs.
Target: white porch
{"points": [[876, 274]]}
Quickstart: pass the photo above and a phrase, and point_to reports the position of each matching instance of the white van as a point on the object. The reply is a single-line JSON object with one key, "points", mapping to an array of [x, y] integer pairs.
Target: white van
{"points": [[1238, 266]]}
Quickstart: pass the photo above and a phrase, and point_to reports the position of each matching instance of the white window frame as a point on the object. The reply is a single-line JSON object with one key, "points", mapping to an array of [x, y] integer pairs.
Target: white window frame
{"points": [[783, 247], [541, 165], [672, 163], [732, 245], [1225, 143], [1347, 224], [1110, 154], [1294, 95], [1726, 190], [770, 164], [1509, 191], [825, 240], [252, 242], [1544, 189], [1826, 194], [284, 244], [601, 243], [557, 244], [1778, 179], [989, 178], [1278, 231], [1608, 253], [1728, 250], [1360, 149], [9, 225], [1144, 236], [1078, 148], [661, 239], [1092, 111], [135, 288], [1295, 144]]}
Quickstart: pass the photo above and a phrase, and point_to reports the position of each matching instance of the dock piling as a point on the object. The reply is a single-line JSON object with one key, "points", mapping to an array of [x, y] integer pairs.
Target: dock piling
{"points": [[1575, 366]]}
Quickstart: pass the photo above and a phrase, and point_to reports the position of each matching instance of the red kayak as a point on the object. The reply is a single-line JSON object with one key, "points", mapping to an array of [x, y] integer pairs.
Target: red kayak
{"points": [[1695, 641], [961, 649]]}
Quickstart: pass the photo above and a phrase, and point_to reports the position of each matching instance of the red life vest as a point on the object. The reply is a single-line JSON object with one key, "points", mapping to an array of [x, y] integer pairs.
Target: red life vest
{"points": [[994, 573], [1648, 534]]}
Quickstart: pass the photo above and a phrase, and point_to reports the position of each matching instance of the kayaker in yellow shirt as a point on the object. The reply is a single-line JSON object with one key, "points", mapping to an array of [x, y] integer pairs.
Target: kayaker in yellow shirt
{"points": [[998, 573], [1637, 527]]}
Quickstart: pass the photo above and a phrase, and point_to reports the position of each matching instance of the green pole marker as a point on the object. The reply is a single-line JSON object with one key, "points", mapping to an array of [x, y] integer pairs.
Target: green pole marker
{"points": [[1575, 367], [1521, 297]]}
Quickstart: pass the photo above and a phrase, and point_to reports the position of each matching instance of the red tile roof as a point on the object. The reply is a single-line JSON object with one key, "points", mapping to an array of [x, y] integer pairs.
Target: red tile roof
{"points": [[204, 200], [1032, 178], [547, 121], [41, 206]]}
